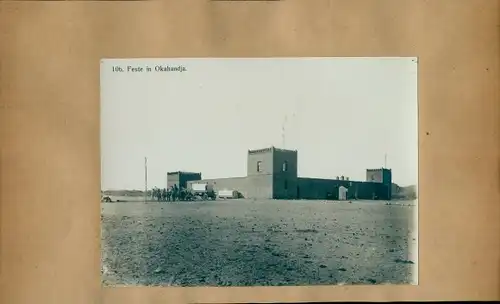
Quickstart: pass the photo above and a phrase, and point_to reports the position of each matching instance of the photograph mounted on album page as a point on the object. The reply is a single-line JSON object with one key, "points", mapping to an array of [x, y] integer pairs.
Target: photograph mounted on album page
{"points": [[249, 151], [259, 172]]}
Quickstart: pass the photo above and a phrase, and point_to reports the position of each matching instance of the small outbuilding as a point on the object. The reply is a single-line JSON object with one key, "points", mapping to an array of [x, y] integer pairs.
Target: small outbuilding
{"points": [[342, 193]]}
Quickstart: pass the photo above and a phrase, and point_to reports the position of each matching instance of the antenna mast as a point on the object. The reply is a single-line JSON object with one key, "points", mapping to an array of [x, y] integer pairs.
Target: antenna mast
{"points": [[283, 134]]}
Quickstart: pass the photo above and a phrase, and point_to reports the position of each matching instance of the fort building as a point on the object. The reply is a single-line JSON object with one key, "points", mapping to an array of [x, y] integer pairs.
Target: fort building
{"points": [[272, 174]]}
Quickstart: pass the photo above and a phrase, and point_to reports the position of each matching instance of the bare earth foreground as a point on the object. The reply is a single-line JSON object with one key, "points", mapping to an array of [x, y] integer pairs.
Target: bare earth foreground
{"points": [[251, 243]]}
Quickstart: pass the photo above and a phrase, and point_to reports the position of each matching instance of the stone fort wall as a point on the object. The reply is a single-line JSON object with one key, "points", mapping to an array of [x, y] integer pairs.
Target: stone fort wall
{"points": [[272, 174]]}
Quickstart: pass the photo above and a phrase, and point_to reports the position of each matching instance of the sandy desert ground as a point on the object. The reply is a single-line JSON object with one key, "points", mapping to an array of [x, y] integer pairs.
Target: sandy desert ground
{"points": [[258, 243]]}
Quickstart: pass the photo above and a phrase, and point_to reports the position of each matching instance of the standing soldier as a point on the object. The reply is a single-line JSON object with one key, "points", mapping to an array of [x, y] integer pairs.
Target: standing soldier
{"points": [[169, 194], [157, 194], [174, 192], [164, 195]]}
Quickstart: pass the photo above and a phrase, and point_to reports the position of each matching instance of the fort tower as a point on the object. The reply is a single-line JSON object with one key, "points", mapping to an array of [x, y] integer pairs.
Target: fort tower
{"points": [[273, 172]]}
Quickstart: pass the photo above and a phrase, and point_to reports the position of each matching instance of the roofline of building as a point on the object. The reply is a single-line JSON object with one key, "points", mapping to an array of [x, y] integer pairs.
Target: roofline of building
{"points": [[182, 172], [269, 149], [217, 178]]}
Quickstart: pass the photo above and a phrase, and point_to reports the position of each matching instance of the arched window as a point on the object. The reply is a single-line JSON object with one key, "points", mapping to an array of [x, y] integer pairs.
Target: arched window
{"points": [[285, 166], [259, 166]]}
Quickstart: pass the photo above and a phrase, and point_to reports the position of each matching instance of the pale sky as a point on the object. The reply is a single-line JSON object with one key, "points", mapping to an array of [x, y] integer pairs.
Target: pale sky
{"points": [[343, 116]]}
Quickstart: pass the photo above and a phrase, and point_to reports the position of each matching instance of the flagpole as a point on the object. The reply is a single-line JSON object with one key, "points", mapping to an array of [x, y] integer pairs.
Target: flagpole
{"points": [[145, 179]]}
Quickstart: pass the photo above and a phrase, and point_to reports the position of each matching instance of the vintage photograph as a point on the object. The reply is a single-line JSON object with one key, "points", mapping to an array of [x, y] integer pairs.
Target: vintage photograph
{"points": [[259, 171]]}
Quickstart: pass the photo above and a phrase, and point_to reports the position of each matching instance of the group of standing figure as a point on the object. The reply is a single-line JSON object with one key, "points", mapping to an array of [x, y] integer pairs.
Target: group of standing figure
{"points": [[172, 194]]}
